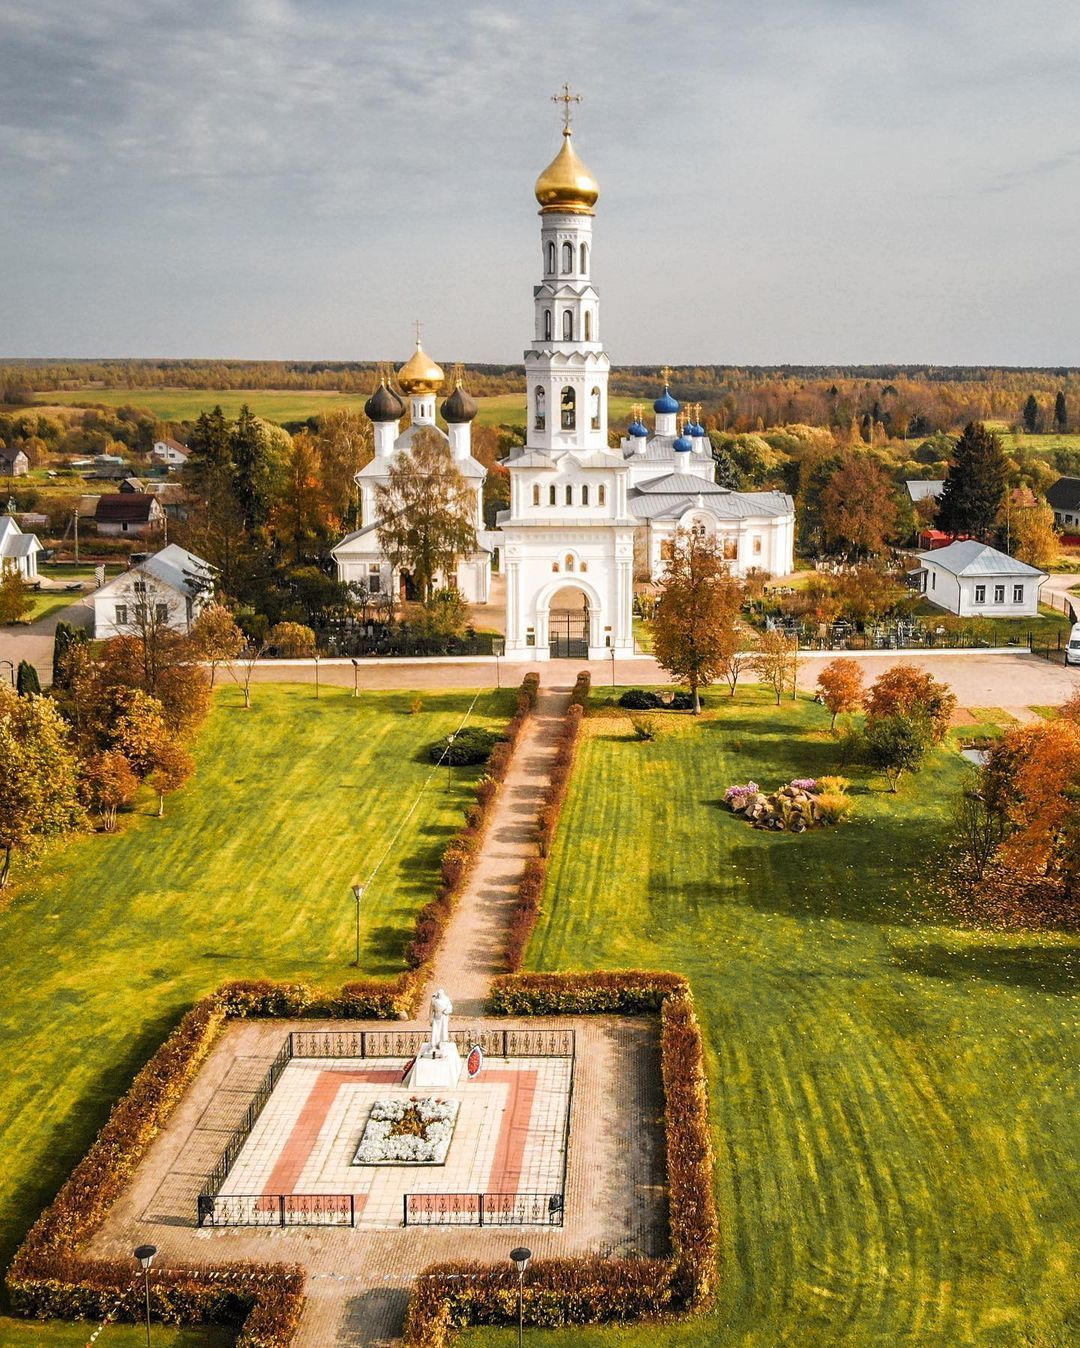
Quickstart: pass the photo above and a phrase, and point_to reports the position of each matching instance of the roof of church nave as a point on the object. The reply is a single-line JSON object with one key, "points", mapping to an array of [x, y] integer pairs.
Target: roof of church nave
{"points": [[672, 496]]}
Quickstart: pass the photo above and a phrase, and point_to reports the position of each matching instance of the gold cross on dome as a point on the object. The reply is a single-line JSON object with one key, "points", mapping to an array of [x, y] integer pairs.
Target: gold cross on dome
{"points": [[566, 98], [416, 329], [665, 375], [637, 410]]}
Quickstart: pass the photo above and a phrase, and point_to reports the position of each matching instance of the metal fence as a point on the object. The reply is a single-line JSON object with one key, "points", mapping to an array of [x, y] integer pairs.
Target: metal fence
{"points": [[242, 1132], [495, 1042], [358, 640], [277, 1210], [482, 1209], [905, 636]]}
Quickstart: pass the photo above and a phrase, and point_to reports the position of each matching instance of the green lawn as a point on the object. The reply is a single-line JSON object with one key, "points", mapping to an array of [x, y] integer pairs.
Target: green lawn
{"points": [[247, 875], [893, 1096]]}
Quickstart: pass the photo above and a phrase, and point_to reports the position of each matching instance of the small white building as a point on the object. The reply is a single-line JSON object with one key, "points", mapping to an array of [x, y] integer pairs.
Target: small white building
{"points": [[974, 580], [170, 587], [13, 461], [170, 452], [17, 549]]}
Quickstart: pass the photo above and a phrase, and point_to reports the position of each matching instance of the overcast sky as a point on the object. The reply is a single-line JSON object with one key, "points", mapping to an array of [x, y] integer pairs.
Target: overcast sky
{"points": [[781, 180]]}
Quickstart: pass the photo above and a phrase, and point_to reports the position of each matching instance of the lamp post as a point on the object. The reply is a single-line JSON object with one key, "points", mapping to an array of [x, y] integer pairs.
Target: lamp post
{"points": [[611, 652], [358, 894], [145, 1255], [520, 1257], [317, 658], [498, 648], [355, 677]]}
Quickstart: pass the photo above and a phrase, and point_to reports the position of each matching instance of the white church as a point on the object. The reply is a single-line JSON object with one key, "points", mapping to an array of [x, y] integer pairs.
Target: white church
{"points": [[585, 519]]}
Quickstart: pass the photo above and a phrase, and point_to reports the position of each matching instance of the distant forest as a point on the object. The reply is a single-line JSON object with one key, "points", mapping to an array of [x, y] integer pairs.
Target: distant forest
{"points": [[897, 401]]}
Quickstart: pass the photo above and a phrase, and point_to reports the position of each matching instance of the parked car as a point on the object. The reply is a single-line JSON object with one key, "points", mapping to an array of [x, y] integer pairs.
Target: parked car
{"points": [[1072, 650]]}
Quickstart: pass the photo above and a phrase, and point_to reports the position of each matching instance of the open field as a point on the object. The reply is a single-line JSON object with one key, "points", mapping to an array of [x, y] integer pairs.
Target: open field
{"points": [[282, 404], [247, 875], [893, 1095]]}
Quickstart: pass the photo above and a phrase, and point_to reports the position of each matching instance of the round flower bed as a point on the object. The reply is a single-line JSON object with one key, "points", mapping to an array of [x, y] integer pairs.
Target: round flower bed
{"points": [[408, 1132]]}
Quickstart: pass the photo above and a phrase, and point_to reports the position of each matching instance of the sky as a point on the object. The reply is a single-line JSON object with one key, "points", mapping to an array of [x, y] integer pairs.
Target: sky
{"points": [[782, 181]]}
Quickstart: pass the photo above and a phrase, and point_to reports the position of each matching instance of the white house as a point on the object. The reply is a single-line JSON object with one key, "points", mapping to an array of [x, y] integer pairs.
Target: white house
{"points": [[170, 452], [170, 587], [17, 549], [974, 580], [13, 461], [128, 512]]}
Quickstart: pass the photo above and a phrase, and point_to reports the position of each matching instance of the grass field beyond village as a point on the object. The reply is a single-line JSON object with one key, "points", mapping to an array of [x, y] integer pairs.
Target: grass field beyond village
{"points": [[112, 939], [893, 1095]]}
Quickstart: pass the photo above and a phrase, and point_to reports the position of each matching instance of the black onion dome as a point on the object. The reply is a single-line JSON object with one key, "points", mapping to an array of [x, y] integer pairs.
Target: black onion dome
{"points": [[384, 405], [459, 407]]}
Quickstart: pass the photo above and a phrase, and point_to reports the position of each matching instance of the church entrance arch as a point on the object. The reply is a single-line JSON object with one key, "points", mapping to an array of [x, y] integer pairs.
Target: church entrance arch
{"points": [[568, 624]]}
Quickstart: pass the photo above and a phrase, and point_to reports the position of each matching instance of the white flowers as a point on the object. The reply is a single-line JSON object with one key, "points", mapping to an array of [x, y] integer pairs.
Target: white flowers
{"points": [[384, 1141]]}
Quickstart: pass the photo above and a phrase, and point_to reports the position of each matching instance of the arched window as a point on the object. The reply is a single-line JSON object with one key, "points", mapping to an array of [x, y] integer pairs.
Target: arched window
{"points": [[551, 258], [569, 494], [588, 325], [567, 326], [585, 494], [547, 325], [540, 419], [569, 561], [569, 410], [568, 257], [698, 530], [551, 494], [584, 257], [584, 566], [554, 566], [601, 495], [594, 409], [536, 493]]}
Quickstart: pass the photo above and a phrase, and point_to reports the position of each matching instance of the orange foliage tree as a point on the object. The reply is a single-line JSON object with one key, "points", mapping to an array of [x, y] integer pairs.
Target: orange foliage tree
{"points": [[841, 684], [1039, 767], [905, 690]]}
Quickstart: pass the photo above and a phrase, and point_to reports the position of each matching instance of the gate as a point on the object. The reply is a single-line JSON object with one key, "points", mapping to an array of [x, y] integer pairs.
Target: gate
{"points": [[568, 634]]}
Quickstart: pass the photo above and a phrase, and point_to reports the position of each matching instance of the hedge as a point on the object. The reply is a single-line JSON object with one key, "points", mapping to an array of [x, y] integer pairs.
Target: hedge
{"points": [[588, 1290], [533, 876], [47, 1279]]}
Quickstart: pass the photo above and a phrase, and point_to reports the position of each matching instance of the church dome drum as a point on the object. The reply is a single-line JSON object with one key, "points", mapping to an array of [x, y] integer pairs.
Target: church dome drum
{"points": [[384, 405]]}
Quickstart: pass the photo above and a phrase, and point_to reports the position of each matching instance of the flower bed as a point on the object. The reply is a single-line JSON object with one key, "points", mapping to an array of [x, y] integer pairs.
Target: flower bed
{"points": [[408, 1132], [802, 804]]}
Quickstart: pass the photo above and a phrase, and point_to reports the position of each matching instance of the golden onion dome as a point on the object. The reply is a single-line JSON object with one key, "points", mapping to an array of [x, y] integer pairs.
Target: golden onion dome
{"points": [[566, 184], [420, 374]]}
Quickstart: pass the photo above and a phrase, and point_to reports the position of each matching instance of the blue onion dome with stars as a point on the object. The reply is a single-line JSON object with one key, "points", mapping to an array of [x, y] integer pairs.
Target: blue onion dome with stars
{"points": [[697, 430], [665, 403], [638, 429], [683, 445]]}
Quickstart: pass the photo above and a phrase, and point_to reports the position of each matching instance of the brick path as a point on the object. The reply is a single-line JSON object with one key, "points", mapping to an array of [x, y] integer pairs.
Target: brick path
{"points": [[359, 1279]]}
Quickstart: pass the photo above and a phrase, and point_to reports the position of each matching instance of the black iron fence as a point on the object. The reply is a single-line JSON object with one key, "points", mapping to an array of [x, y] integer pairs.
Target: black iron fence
{"points": [[242, 1132], [482, 1209], [277, 1210], [495, 1042], [984, 634], [359, 640]]}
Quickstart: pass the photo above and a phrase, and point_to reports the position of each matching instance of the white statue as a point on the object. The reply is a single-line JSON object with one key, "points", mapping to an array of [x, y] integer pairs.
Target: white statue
{"points": [[441, 1006]]}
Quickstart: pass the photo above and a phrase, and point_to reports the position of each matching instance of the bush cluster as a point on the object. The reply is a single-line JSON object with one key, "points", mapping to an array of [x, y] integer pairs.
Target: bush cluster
{"points": [[531, 884], [466, 748], [644, 699], [47, 1279], [590, 1290]]}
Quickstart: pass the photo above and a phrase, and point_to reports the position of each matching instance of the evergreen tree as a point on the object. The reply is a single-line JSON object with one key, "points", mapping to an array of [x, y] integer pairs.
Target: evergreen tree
{"points": [[975, 485], [210, 476], [1061, 413], [251, 481], [1031, 414], [65, 639], [26, 679]]}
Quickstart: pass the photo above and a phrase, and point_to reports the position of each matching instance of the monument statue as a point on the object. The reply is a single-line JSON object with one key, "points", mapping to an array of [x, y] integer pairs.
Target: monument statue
{"points": [[441, 1006], [438, 1063]]}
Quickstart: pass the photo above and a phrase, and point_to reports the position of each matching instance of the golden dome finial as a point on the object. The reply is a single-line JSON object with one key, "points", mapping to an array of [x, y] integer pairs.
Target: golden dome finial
{"points": [[566, 184], [420, 374]]}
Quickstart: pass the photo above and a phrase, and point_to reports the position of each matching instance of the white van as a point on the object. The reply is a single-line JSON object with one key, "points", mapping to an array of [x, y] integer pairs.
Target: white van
{"points": [[1072, 650]]}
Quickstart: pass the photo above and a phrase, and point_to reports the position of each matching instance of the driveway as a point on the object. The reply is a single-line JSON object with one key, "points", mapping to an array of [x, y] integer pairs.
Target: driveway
{"points": [[34, 642]]}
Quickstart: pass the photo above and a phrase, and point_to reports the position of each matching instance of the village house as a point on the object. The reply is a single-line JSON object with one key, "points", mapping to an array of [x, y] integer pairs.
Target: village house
{"points": [[1064, 499], [170, 452], [17, 549], [128, 513], [168, 589], [974, 580], [13, 461]]}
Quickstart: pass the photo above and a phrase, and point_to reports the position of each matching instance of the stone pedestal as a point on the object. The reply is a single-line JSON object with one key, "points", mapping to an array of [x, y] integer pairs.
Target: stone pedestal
{"points": [[435, 1068]]}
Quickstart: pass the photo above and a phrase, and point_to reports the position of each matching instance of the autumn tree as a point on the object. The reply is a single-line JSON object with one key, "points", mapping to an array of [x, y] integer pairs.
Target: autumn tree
{"points": [[905, 690], [293, 640], [345, 445], [139, 729], [301, 519], [65, 638], [427, 512], [108, 782], [736, 656], [858, 507], [38, 776], [15, 599], [697, 613], [1033, 536], [975, 484], [172, 767], [896, 744], [215, 636], [777, 662], [841, 685]]}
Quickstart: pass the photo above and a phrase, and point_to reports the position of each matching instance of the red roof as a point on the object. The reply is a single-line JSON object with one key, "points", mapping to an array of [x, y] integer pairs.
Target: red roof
{"points": [[126, 508]]}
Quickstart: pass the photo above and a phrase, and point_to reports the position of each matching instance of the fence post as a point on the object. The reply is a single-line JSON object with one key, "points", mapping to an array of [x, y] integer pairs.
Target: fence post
{"points": [[363, 1043], [352, 1209], [281, 1208], [404, 1209], [481, 1198]]}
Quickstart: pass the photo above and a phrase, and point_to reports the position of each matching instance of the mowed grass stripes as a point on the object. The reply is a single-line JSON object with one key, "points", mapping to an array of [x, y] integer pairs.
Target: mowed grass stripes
{"points": [[894, 1096], [247, 876]]}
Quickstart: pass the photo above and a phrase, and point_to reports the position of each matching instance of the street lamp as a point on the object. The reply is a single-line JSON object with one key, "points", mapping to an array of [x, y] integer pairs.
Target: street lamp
{"points": [[498, 648], [358, 894], [317, 657], [611, 652], [145, 1255], [520, 1257], [355, 677]]}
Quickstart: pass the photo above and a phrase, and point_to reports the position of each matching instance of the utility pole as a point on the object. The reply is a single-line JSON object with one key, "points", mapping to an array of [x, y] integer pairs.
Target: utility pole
{"points": [[76, 521]]}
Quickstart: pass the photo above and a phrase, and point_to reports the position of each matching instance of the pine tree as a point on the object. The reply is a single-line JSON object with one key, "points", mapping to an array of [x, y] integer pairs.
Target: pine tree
{"points": [[65, 639], [210, 476], [26, 680], [251, 481], [1031, 414], [975, 485], [1061, 413]]}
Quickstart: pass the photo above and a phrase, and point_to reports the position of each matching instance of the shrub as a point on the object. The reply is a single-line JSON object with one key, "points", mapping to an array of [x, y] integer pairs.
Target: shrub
{"points": [[639, 699], [466, 748], [649, 727]]}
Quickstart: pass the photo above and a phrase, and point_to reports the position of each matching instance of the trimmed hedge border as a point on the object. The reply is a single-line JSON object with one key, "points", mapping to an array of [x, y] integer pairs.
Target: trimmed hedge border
{"points": [[534, 875], [47, 1279], [586, 1291]]}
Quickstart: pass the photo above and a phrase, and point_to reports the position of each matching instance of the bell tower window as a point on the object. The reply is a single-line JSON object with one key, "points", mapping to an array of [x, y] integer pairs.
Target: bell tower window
{"points": [[567, 326], [547, 325], [584, 257], [585, 494], [569, 494], [569, 411], [601, 494], [568, 257], [536, 494], [588, 326], [551, 494], [551, 259]]}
